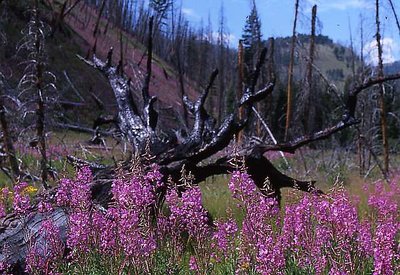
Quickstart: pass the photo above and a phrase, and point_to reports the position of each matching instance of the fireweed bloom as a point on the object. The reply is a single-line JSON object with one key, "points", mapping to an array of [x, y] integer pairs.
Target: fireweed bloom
{"points": [[76, 195], [320, 235], [45, 206], [47, 251], [4, 268], [189, 217], [365, 239], [106, 229], [193, 264], [384, 201], [188, 213], [154, 176], [80, 232], [63, 195], [259, 241], [325, 233], [345, 228], [127, 224], [224, 237], [21, 201]]}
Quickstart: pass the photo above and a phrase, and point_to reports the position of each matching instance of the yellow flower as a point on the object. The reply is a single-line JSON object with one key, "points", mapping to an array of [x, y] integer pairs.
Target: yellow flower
{"points": [[245, 265], [30, 189]]}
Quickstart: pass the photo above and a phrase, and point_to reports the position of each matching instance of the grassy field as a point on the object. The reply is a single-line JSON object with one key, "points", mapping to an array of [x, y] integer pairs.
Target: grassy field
{"points": [[333, 170], [330, 169], [327, 167]]}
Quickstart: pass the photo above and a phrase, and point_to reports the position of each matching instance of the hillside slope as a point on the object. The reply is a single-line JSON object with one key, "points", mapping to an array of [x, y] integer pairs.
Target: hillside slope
{"points": [[164, 81], [78, 83], [333, 60]]}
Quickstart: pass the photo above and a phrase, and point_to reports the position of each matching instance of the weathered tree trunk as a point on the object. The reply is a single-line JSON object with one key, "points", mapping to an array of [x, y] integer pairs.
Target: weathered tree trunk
{"points": [[18, 232], [395, 15], [221, 61], [239, 90], [40, 109], [382, 92], [9, 145], [309, 109], [290, 73], [96, 28]]}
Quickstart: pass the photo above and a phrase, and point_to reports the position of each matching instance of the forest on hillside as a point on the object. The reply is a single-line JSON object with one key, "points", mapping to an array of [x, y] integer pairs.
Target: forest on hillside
{"points": [[135, 142]]}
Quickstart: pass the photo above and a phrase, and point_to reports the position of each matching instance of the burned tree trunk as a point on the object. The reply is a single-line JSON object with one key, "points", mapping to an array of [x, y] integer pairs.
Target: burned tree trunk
{"points": [[290, 73], [40, 109], [309, 109], [9, 145], [382, 104]]}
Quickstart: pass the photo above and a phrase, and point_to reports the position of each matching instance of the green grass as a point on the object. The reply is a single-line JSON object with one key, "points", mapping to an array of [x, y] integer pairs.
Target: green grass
{"points": [[217, 198], [328, 168]]}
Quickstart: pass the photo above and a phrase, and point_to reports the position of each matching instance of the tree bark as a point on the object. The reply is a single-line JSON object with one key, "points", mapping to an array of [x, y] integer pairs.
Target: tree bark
{"points": [[290, 73], [9, 145], [40, 109], [382, 92]]}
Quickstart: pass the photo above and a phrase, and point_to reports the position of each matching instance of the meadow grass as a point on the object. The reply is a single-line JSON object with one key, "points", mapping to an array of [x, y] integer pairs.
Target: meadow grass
{"points": [[326, 168], [217, 199]]}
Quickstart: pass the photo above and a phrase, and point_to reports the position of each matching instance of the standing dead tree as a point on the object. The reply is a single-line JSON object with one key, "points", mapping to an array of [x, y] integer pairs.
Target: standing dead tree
{"points": [[8, 142], [59, 16], [36, 83], [395, 14], [309, 109], [40, 109], [382, 92], [290, 73]]}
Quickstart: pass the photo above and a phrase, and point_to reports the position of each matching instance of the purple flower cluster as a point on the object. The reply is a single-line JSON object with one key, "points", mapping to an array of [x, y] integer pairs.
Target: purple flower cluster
{"points": [[325, 234], [80, 237], [385, 242], [21, 202], [187, 217], [260, 242], [188, 213], [224, 238], [4, 267], [193, 264], [129, 221], [44, 206], [52, 151], [47, 251], [76, 193], [316, 234], [124, 228]]}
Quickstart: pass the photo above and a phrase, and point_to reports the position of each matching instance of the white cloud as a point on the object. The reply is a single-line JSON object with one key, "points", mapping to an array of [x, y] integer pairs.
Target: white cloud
{"points": [[389, 48], [228, 38], [190, 13], [325, 5]]}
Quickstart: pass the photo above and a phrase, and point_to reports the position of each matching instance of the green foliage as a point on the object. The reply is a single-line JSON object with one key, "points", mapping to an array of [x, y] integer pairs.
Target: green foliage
{"points": [[251, 37], [292, 268]]}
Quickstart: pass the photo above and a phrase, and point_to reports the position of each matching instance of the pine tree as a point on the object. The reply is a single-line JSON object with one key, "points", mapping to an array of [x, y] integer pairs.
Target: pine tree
{"points": [[251, 36]]}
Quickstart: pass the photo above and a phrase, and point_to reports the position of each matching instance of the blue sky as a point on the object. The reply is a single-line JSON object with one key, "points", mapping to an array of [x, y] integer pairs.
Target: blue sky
{"points": [[277, 19]]}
